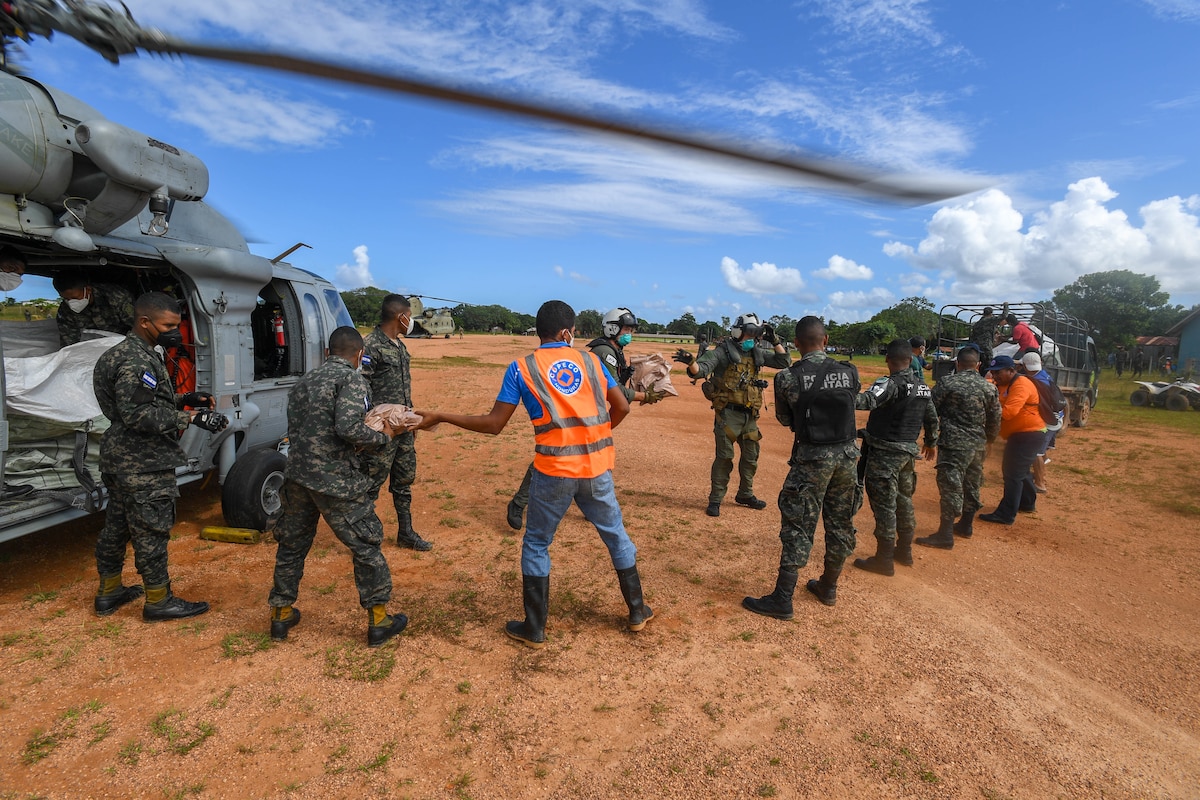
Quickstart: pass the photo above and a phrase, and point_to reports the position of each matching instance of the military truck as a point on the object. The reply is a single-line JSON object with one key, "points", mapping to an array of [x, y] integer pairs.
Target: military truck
{"points": [[1067, 349], [80, 193]]}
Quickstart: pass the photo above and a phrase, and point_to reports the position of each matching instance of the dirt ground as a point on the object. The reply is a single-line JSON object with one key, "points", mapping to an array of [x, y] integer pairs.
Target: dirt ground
{"points": [[1053, 658]]}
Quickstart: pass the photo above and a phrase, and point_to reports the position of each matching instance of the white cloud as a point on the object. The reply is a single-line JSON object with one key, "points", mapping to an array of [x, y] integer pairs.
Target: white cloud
{"points": [[347, 276], [858, 305], [579, 277], [1188, 10], [761, 279], [845, 269], [980, 250], [866, 20], [558, 270]]}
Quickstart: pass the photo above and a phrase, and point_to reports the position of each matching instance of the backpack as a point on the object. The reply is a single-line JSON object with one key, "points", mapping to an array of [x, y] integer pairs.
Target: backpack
{"points": [[1052, 403]]}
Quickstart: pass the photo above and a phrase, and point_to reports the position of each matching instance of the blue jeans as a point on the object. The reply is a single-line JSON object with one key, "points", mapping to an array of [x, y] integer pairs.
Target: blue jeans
{"points": [[1019, 492], [549, 499]]}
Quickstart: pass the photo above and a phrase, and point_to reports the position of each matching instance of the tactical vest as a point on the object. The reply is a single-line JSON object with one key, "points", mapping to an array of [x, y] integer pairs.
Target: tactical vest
{"points": [[901, 420], [823, 410], [735, 385], [573, 438], [602, 347]]}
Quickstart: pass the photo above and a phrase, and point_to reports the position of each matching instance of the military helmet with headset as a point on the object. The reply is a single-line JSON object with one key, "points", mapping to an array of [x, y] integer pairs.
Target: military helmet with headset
{"points": [[616, 319], [748, 325]]}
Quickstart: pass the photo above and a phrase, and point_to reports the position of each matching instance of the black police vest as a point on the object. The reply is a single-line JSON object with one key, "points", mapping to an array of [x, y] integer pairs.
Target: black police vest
{"points": [[823, 410], [901, 420]]}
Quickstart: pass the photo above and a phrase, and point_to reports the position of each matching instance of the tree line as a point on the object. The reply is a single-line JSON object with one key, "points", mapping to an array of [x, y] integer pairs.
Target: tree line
{"points": [[1117, 305]]}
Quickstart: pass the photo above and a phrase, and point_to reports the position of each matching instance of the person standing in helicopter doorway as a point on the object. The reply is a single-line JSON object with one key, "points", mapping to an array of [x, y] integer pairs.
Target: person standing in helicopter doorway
{"points": [[617, 331], [385, 365], [735, 364]]}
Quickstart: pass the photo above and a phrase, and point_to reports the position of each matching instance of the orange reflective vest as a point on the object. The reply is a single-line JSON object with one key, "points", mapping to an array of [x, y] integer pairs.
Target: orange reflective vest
{"points": [[573, 437]]}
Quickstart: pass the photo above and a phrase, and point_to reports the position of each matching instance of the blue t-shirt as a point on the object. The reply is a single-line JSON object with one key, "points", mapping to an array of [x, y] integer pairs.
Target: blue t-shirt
{"points": [[513, 390]]}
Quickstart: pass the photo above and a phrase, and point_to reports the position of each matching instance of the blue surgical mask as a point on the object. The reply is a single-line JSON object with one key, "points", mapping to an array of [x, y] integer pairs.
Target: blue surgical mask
{"points": [[624, 339], [747, 345]]}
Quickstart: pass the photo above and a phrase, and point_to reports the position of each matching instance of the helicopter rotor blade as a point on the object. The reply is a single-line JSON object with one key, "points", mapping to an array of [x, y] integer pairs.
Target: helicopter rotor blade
{"points": [[830, 173]]}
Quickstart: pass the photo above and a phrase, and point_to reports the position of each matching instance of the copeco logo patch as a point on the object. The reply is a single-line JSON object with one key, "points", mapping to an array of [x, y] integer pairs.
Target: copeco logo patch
{"points": [[565, 376]]}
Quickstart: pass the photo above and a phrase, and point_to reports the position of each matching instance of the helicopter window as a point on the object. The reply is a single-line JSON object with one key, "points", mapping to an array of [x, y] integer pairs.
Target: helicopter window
{"points": [[275, 328], [337, 309], [314, 330]]}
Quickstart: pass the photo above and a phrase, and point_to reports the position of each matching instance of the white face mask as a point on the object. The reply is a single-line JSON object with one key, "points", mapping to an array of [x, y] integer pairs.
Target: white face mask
{"points": [[9, 281], [412, 323], [78, 305], [570, 339]]}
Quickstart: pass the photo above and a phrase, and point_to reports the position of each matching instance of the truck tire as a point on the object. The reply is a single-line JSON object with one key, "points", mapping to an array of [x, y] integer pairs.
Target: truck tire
{"points": [[1140, 397], [250, 496], [1177, 402], [1078, 411]]}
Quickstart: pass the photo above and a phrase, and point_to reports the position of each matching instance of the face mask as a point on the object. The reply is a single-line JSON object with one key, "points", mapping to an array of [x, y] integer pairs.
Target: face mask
{"points": [[169, 339], [747, 345], [624, 339], [412, 323], [78, 305], [9, 281], [570, 340]]}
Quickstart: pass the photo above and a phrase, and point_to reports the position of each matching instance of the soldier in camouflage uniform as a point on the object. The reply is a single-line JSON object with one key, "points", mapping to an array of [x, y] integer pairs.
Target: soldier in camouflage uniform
{"points": [[325, 477], [88, 306], [899, 407], [619, 325], [815, 399], [385, 365], [138, 457], [983, 334], [735, 364], [969, 411]]}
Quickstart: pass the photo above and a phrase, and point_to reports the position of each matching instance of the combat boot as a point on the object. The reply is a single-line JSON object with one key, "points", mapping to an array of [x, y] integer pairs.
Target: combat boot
{"points": [[881, 562], [535, 593], [777, 604], [713, 510], [283, 619], [750, 501], [113, 595], [903, 552], [825, 589], [169, 606], [943, 539], [965, 525], [407, 537], [631, 590], [382, 626]]}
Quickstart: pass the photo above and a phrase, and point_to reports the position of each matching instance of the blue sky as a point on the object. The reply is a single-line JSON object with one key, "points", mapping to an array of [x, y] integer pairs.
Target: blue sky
{"points": [[1079, 118]]}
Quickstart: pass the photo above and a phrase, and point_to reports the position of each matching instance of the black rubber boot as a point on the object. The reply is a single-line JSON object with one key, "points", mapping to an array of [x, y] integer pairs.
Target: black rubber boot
{"points": [[881, 562], [378, 634], [516, 515], [750, 501], [631, 590], [280, 627], [109, 603], [713, 510], [943, 539], [535, 592], [903, 552], [777, 604], [172, 607], [407, 537], [825, 589], [964, 526]]}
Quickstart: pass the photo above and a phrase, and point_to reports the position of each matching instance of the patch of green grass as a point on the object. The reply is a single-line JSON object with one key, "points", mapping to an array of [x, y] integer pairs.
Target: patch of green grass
{"points": [[746, 636], [130, 753], [100, 732], [766, 790], [195, 627], [326, 590], [928, 776], [181, 738], [712, 711], [381, 758], [245, 643], [444, 494], [39, 745], [463, 687], [359, 664], [452, 522], [603, 707], [40, 596], [184, 791], [108, 629], [221, 700], [459, 785], [334, 764]]}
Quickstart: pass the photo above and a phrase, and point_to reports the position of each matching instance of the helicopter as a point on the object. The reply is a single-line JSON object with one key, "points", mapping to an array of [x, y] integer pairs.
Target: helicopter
{"points": [[81, 193], [430, 322]]}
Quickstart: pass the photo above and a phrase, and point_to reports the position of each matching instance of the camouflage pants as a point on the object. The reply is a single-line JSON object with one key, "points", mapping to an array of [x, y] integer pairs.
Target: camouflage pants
{"points": [[141, 510], [729, 426], [959, 478], [353, 522], [397, 462], [891, 481], [828, 483]]}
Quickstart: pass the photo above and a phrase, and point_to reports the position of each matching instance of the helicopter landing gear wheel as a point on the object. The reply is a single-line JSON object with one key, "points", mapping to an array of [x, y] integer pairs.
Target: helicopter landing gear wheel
{"points": [[250, 497]]}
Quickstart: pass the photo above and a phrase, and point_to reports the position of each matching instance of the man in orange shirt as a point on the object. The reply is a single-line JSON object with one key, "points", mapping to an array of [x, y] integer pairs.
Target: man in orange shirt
{"points": [[573, 403], [1022, 426]]}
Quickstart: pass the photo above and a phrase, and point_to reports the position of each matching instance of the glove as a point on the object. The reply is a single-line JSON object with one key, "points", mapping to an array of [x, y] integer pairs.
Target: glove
{"points": [[210, 420], [684, 357], [198, 399], [768, 335], [651, 397]]}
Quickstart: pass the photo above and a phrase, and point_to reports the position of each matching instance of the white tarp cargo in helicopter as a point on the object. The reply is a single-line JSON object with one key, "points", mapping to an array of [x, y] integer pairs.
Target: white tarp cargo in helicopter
{"points": [[84, 195]]}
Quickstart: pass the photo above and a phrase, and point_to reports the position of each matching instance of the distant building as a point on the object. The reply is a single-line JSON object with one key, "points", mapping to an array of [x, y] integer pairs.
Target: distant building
{"points": [[1155, 347], [1188, 332]]}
